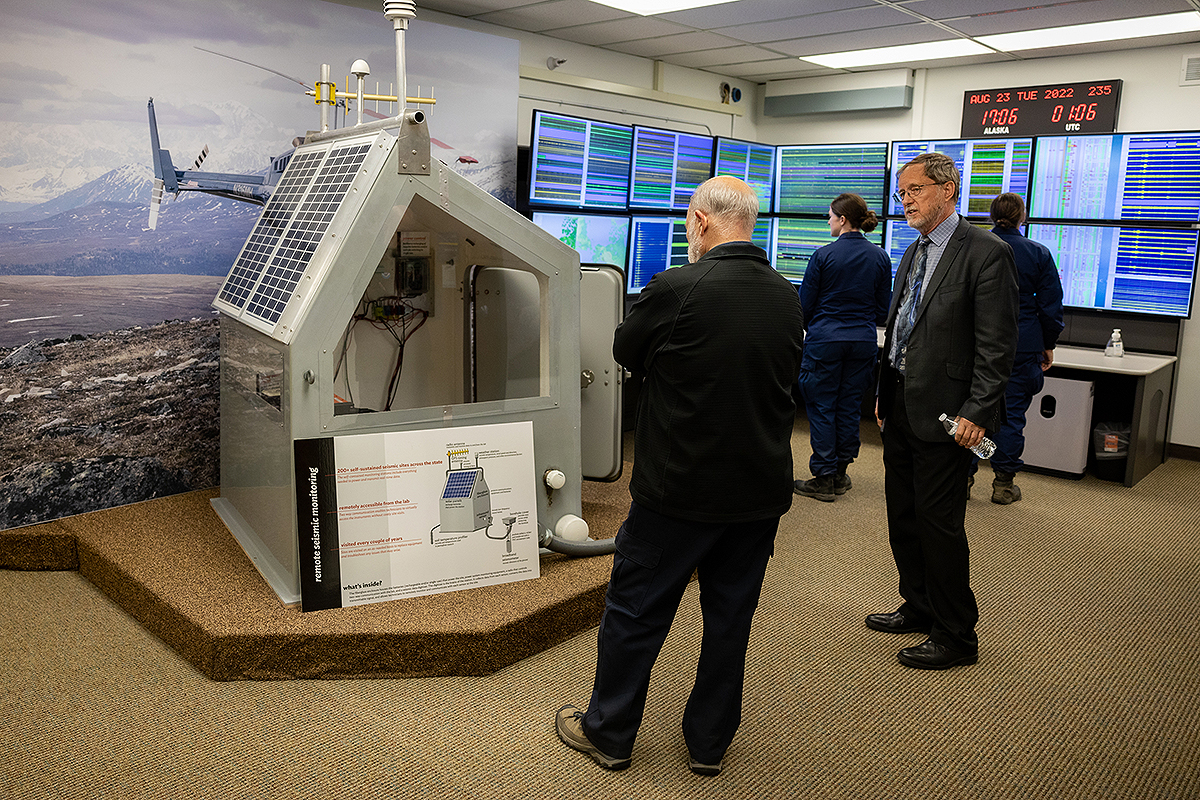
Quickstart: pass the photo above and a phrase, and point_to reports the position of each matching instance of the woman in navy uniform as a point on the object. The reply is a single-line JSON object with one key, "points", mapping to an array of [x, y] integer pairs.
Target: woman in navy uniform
{"points": [[1039, 323], [845, 295]]}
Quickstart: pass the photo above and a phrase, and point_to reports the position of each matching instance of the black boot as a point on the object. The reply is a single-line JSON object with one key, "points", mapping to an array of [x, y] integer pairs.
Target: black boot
{"points": [[841, 481], [1004, 491], [818, 488]]}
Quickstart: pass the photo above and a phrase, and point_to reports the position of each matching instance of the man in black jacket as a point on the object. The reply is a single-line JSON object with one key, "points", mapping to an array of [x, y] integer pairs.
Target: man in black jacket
{"points": [[951, 335], [718, 342]]}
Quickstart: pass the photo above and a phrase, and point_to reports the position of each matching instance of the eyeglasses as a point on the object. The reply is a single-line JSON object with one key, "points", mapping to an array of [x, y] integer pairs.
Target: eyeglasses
{"points": [[911, 191]]}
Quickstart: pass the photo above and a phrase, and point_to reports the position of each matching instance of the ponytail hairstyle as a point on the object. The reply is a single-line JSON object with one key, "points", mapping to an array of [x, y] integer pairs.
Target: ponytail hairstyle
{"points": [[1008, 210], [855, 210]]}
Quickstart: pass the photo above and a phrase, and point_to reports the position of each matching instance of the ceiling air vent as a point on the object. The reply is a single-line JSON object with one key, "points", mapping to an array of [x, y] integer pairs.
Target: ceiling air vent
{"points": [[1189, 71]]}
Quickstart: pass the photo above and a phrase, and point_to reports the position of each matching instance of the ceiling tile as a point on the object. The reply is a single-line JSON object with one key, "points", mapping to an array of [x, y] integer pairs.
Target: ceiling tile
{"points": [[719, 57], [862, 40], [669, 45], [750, 11], [854, 20], [955, 9], [557, 14], [620, 30], [1054, 15], [776, 70], [469, 8]]}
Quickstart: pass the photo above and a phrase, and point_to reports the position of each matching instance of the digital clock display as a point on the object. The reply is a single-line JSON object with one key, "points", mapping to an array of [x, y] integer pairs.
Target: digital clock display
{"points": [[1032, 110]]}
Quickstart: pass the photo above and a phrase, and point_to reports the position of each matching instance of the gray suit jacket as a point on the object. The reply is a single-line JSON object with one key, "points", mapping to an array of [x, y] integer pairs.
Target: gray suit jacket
{"points": [[960, 352]]}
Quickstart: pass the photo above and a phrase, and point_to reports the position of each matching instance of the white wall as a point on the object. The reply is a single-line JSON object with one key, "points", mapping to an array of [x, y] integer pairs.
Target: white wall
{"points": [[626, 70]]}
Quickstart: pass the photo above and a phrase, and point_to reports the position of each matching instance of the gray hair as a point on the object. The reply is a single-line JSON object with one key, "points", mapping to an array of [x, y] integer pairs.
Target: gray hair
{"points": [[728, 200], [940, 169]]}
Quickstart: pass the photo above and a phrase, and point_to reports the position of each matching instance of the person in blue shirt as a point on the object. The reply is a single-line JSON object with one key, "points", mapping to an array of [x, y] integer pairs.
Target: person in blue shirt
{"points": [[845, 295], [1039, 323]]}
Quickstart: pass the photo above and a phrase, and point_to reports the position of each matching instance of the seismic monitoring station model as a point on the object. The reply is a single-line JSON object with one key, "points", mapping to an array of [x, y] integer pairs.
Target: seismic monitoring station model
{"points": [[466, 503], [380, 291]]}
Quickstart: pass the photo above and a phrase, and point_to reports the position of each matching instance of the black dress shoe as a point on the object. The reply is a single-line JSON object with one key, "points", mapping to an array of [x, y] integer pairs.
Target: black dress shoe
{"points": [[896, 623], [931, 655]]}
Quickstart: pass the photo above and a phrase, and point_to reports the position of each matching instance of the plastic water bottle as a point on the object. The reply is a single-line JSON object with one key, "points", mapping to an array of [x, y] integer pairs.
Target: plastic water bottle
{"points": [[984, 449], [1115, 347]]}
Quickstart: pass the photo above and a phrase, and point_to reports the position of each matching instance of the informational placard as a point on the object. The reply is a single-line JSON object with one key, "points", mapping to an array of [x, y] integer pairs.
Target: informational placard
{"points": [[1089, 107], [384, 516]]}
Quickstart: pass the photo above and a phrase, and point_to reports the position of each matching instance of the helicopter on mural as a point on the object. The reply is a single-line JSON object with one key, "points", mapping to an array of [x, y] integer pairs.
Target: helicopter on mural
{"points": [[254, 188]]}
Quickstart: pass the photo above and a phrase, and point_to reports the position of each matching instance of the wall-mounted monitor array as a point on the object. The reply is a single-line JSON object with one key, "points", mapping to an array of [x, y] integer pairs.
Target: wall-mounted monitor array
{"points": [[812, 175], [667, 167], [1147, 177], [752, 162], [579, 163], [899, 237], [989, 167], [655, 244], [1118, 268], [1119, 210], [587, 164], [599, 239], [795, 239]]}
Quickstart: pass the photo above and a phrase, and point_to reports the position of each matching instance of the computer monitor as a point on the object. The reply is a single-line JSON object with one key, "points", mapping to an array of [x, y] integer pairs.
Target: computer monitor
{"points": [[599, 239], [764, 230], [752, 162], [900, 236], [659, 243], [812, 175], [655, 244], [989, 167], [667, 168], [795, 240], [579, 163], [1143, 177], [1118, 268]]}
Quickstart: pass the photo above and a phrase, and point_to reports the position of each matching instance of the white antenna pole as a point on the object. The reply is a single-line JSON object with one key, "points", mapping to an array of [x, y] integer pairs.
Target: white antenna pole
{"points": [[360, 70], [400, 12], [323, 97]]}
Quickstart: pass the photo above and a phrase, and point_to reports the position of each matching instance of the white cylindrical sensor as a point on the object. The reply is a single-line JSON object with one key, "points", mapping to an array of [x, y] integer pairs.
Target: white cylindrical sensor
{"points": [[555, 478], [571, 528]]}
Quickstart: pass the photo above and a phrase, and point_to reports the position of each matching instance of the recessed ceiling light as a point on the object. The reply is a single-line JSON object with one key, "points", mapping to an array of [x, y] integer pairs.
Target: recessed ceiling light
{"points": [[1109, 31], [648, 7], [923, 51]]}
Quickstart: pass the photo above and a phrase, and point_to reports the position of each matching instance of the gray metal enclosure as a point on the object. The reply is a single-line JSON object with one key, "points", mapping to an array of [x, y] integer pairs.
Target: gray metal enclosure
{"points": [[348, 311]]}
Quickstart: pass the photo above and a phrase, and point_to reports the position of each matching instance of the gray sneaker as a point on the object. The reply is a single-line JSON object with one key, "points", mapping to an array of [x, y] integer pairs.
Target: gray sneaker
{"points": [[568, 723], [708, 770]]}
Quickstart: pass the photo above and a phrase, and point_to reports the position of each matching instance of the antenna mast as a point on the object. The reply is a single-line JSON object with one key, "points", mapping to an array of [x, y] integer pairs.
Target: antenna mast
{"points": [[400, 12]]}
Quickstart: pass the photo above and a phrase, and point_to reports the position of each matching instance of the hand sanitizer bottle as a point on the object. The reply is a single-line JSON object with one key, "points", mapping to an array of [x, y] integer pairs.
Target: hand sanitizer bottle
{"points": [[984, 449], [1115, 347]]}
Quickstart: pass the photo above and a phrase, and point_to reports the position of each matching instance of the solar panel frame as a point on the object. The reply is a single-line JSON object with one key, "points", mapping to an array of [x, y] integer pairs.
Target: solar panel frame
{"points": [[301, 231], [459, 484]]}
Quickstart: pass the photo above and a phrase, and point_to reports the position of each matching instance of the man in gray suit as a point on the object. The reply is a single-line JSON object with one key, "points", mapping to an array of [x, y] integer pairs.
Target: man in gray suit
{"points": [[951, 337]]}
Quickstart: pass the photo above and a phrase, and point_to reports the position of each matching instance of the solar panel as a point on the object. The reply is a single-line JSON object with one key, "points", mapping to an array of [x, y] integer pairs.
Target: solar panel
{"points": [[459, 484], [292, 226]]}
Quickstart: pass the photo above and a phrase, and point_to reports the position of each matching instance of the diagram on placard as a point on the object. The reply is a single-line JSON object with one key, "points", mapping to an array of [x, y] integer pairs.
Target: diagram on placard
{"points": [[465, 505]]}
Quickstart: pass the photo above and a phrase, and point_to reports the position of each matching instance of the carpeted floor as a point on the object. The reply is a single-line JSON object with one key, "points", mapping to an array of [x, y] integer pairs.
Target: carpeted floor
{"points": [[1087, 685]]}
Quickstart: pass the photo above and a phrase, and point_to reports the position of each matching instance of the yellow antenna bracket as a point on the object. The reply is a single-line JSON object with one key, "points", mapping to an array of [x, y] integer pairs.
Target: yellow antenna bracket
{"points": [[332, 93]]}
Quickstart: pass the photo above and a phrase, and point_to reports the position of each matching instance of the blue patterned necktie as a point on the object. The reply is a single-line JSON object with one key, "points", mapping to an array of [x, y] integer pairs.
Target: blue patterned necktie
{"points": [[907, 314]]}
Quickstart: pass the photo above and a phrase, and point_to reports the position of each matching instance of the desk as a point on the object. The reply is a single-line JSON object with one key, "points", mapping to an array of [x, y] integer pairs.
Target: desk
{"points": [[1135, 388]]}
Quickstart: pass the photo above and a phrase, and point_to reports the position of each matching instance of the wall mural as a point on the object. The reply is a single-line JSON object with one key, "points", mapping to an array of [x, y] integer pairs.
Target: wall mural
{"points": [[108, 342]]}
